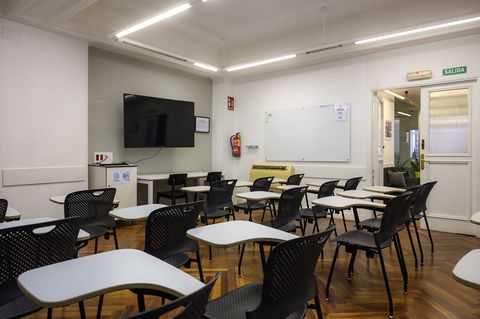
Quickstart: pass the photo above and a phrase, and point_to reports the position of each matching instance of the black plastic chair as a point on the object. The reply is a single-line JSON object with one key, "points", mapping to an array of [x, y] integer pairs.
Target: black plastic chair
{"points": [[373, 243], [260, 184], [166, 238], [93, 206], [295, 179], [352, 183], [313, 214], [3, 209], [213, 177], [24, 248], [176, 182], [193, 305], [418, 211], [289, 283]]}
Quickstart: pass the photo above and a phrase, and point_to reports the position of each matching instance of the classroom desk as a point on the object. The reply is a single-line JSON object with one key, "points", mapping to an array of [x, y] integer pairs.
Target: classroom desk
{"points": [[287, 187], [339, 203], [72, 281], [277, 180], [238, 232], [205, 188], [475, 218], [61, 200], [384, 189], [135, 213], [82, 235], [258, 195], [148, 180], [466, 270], [359, 194], [12, 214]]}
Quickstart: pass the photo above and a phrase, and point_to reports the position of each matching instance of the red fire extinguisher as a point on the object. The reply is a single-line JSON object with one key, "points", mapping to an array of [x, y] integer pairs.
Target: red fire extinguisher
{"points": [[235, 143]]}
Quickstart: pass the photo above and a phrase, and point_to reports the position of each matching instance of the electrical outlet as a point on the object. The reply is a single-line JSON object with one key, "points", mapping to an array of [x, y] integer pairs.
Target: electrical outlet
{"points": [[103, 157]]}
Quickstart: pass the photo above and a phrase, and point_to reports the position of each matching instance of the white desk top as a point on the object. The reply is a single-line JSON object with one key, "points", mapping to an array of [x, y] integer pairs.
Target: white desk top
{"points": [[237, 232], [476, 218], [277, 180], [82, 235], [164, 176], [341, 203], [287, 187], [206, 188], [71, 281], [258, 195], [383, 189], [358, 194], [12, 214], [135, 213], [466, 270], [61, 200]]}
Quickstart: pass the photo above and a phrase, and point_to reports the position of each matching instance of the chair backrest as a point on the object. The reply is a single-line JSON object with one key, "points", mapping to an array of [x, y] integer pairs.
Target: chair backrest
{"points": [[390, 219], [262, 184], [289, 281], [194, 304], [352, 183], [295, 179], [89, 204], [31, 246], [169, 225], [213, 177], [327, 189], [289, 206], [3, 209], [175, 180], [220, 195], [420, 202]]}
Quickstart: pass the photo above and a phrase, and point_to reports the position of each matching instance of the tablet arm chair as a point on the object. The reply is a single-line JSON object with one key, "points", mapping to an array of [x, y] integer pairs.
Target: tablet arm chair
{"points": [[213, 177], [176, 182], [260, 184]]}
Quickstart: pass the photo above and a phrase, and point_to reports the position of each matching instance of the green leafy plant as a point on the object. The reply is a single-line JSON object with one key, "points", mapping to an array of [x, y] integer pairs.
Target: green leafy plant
{"points": [[399, 164], [415, 164]]}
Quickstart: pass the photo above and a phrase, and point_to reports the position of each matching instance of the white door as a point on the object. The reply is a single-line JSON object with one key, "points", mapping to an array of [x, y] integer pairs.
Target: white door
{"points": [[446, 155]]}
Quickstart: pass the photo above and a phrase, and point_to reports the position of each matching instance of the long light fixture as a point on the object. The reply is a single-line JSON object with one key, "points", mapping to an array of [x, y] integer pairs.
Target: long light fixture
{"points": [[206, 66], [395, 94], [418, 30], [262, 62], [403, 113], [159, 17]]}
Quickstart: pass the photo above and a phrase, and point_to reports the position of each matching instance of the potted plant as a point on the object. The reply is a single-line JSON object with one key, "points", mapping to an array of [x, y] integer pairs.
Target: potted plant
{"points": [[415, 164]]}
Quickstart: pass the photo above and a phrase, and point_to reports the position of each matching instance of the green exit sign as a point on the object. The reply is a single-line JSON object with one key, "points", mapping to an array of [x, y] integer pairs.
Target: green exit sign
{"points": [[455, 70]]}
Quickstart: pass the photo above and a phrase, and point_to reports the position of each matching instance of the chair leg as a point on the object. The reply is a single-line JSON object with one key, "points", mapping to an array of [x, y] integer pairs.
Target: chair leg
{"points": [[49, 313], [99, 307], [318, 307], [429, 232], [263, 214], [407, 225], [115, 239], [81, 306], [199, 264], [141, 302], [351, 264], [210, 253], [418, 242], [402, 264], [96, 245], [332, 222], [306, 199], [240, 261], [327, 288], [316, 226], [344, 222], [387, 286], [304, 220]]}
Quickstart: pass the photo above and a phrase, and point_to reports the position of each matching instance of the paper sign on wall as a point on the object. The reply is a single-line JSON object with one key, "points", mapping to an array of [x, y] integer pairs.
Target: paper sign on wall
{"points": [[121, 177], [340, 112]]}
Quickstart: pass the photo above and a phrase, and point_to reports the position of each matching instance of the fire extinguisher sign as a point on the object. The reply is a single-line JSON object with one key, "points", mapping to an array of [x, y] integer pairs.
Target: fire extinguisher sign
{"points": [[231, 103]]}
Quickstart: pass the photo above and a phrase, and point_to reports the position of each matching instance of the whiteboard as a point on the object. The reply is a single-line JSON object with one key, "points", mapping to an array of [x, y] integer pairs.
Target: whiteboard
{"points": [[311, 134]]}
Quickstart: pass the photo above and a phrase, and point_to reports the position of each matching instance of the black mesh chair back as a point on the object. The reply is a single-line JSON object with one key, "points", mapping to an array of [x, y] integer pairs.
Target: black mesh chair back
{"points": [[352, 183], [289, 206], [168, 225], [194, 304], [327, 189], [177, 180], [295, 179], [89, 204], [3, 209], [213, 177], [420, 203], [262, 184], [390, 219], [289, 280], [220, 195]]}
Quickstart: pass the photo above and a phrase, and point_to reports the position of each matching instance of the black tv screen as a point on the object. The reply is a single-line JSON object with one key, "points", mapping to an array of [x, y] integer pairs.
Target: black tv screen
{"points": [[156, 122]]}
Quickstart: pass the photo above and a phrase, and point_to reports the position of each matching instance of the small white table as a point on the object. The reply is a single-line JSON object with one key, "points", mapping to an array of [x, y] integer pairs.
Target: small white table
{"points": [[12, 214], [61, 200], [287, 187], [277, 180], [148, 180], [384, 189], [82, 235], [466, 270], [135, 213], [359, 194], [475, 218], [72, 281], [258, 195]]}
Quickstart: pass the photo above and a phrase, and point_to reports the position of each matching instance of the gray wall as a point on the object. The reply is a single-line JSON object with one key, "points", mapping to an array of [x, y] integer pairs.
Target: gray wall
{"points": [[109, 76]]}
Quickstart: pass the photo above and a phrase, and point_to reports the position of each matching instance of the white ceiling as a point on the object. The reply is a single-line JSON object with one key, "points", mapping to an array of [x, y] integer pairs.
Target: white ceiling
{"points": [[229, 32]]}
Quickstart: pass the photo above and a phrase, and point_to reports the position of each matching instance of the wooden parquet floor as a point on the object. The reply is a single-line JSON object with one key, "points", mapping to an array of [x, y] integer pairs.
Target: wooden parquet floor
{"points": [[433, 292]]}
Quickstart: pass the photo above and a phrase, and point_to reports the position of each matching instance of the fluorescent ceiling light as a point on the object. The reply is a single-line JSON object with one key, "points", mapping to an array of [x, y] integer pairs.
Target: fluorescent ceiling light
{"points": [[206, 66], [159, 17], [406, 114], [419, 30], [251, 65], [395, 94]]}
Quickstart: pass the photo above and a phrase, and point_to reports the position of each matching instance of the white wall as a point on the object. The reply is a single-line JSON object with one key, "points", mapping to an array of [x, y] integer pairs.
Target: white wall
{"points": [[43, 113]]}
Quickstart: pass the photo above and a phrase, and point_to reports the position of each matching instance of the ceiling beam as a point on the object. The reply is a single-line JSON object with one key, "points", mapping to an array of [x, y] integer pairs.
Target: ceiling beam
{"points": [[17, 7], [70, 10]]}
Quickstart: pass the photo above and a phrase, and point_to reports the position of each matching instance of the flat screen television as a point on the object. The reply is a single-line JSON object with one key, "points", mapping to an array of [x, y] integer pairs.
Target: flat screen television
{"points": [[156, 122]]}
